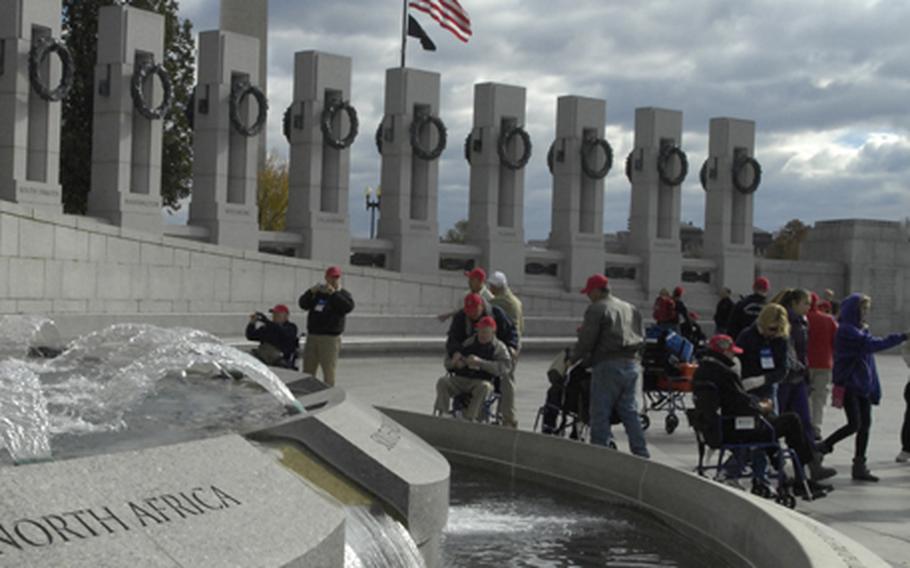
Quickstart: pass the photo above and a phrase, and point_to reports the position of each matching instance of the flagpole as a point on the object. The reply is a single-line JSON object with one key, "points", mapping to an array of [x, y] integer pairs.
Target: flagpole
{"points": [[404, 29]]}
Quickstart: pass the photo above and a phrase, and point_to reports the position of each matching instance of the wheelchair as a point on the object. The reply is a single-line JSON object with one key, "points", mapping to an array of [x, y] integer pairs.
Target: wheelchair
{"points": [[734, 454], [489, 411], [566, 408]]}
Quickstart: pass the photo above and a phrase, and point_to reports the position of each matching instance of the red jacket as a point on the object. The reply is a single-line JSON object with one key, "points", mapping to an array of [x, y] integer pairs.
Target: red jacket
{"points": [[822, 329]]}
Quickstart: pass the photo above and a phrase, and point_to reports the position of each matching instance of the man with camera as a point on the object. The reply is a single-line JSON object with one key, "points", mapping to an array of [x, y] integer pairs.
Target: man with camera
{"points": [[277, 337], [328, 304]]}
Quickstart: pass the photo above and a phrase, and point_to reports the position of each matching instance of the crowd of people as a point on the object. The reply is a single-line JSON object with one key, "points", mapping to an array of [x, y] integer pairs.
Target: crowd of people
{"points": [[779, 358]]}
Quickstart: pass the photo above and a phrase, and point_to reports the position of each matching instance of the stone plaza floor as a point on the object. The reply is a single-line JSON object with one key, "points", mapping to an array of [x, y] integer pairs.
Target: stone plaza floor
{"points": [[876, 515]]}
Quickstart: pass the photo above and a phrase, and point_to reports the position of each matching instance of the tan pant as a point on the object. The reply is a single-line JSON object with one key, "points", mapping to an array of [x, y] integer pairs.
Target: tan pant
{"points": [[453, 385], [507, 401], [819, 388], [321, 351], [268, 354]]}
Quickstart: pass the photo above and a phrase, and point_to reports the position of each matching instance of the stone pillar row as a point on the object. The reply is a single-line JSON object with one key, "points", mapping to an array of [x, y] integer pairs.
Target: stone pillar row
{"points": [[228, 110]]}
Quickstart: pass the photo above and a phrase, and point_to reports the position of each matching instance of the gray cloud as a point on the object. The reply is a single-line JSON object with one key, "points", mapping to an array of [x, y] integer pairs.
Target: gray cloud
{"points": [[819, 78]]}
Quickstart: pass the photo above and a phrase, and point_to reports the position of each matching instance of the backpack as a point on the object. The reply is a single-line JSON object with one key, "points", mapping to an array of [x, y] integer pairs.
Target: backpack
{"points": [[665, 310]]}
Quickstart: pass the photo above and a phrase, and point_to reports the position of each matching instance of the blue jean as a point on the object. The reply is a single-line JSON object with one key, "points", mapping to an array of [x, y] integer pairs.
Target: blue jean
{"points": [[613, 383], [795, 398]]}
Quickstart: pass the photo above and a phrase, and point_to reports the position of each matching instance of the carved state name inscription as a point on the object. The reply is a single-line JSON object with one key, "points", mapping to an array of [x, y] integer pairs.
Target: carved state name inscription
{"points": [[39, 532]]}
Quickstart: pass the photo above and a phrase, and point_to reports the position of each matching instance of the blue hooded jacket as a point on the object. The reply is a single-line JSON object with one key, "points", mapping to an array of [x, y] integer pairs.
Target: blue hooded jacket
{"points": [[854, 346]]}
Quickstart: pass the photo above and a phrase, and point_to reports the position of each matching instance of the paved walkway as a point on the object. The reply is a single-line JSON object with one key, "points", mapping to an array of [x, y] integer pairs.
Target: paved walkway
{"points": [[876, 515]]}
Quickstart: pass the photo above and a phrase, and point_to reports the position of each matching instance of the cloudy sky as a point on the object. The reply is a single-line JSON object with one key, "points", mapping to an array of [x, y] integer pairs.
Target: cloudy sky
{"points": [[828, 84]]}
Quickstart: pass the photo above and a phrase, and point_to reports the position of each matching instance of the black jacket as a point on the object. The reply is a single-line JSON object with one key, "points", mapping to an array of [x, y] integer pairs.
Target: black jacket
{"points": [[718, 386], [326, 310], [744, 314], [718, 372], [283, 336], [722, 313], [462, 328], [753, 343]]}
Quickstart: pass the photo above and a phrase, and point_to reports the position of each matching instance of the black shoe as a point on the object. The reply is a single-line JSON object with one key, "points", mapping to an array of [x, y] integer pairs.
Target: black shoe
{"points": [[819, 472], [815, 492], [823, 448], [862, 473]]}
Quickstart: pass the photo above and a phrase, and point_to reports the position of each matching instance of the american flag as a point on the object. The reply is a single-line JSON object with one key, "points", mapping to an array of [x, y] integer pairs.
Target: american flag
{"points": [[449, 14]]}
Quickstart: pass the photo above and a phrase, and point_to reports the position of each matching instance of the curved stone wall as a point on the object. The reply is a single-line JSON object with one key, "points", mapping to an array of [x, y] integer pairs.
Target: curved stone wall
{"points": [[747, 530]]}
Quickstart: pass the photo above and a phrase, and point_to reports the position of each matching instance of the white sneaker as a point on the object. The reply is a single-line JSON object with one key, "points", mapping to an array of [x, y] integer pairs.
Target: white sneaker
{"points": [[902, 457]]}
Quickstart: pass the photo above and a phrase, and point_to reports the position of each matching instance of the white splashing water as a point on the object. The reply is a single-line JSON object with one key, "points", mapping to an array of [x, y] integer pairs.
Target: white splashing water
{"points": [[375, 540], [21, 333], [100, 376]]}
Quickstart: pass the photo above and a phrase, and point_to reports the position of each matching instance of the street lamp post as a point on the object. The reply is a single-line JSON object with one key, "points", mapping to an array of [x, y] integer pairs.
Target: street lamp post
{"points": [[372, 206]]}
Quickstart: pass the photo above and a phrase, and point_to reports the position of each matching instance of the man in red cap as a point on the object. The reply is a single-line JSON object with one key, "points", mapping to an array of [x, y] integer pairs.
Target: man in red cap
{"points": [[746, 311], [477, 279], [277, 337], [328, 304], [463, 327], [472, 369], [610, 339], [718, 386]]}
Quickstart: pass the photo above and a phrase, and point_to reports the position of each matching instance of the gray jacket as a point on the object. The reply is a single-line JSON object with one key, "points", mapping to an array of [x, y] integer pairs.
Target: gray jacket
{"points": [[612, 330]]}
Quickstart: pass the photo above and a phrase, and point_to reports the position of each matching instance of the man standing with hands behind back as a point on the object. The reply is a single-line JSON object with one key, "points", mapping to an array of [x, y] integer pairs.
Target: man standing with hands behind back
{"points": [[327, 304]]}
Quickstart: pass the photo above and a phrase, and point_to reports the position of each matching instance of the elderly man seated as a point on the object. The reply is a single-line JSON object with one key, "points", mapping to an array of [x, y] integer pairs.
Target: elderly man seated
{"points": [[472, 368]]}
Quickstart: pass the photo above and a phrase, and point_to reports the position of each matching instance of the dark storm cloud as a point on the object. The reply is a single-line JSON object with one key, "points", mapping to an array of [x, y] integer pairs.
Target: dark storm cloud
{"points": [[818, 78]]}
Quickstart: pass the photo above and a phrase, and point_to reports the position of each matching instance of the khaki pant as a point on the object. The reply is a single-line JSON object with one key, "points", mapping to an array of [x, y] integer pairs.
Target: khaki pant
{"points": [[507, 400], [819, 388], [321, 351], [453, 385]]}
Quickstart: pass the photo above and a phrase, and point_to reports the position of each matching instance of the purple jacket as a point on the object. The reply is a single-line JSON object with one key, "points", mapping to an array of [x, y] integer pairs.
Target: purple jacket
{"points": [[854, 346]]}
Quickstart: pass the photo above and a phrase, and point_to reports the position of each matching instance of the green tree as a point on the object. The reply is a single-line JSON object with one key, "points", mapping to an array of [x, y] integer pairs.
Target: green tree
{"points": [[272, 194], [457, 234], [80, 33], [787, 241]]}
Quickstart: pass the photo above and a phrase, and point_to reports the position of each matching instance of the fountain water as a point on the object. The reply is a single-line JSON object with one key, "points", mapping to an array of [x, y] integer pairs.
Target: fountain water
{"points": [[102, 377]]}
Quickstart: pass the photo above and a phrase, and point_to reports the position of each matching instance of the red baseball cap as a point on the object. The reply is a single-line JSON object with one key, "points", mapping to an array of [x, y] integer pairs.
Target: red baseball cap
{"points": [[486, 321], [761, 283], [678, 291], [472, 301], [478, 273], [280, 309], [595, 282], [721, 343], [333, 272]]}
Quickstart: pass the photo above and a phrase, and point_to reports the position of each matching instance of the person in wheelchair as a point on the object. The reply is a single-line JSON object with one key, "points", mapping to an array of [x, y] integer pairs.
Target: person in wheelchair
{"points": [[277, 337], [718, 386], [472, 369]]}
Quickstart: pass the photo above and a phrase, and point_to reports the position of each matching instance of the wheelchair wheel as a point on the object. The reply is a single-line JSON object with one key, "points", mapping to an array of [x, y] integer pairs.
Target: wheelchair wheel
{"points": [[671, 423], [645, 421], [761, 490], [787, 500]]}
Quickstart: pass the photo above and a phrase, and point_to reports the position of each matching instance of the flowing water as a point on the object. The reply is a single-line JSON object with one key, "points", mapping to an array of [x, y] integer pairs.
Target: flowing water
{"points": [[494, 522], [143, 379], [375, 540]]}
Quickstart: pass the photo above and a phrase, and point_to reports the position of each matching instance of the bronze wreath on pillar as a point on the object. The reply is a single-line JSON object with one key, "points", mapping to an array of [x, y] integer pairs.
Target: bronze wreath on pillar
{"points": [[146, 70], [505, 138], [240, 91], [739, 165], [36, 56], [417, 126], [328, 117], [587, 147], [663, 164]]}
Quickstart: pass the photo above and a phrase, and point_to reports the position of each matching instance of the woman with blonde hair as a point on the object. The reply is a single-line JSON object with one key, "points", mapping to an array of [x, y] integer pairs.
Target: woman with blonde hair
{"points": [[856, 384], [766, 363], [764, 345]]}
